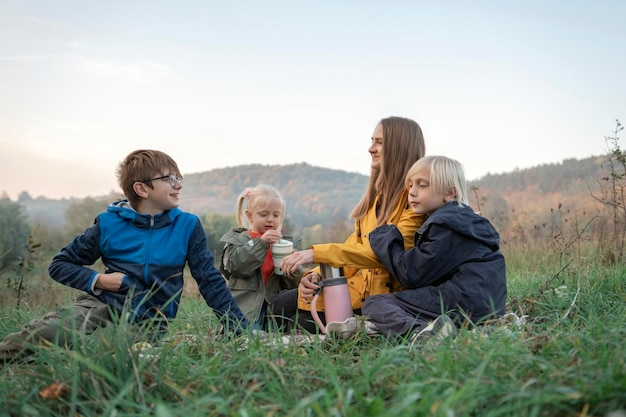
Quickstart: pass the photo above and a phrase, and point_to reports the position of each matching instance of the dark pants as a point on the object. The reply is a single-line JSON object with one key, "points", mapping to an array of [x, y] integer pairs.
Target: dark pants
{"points": [[288, 317], [395, 317]]}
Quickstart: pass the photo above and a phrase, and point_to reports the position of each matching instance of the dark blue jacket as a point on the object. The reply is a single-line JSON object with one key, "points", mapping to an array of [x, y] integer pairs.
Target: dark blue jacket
{"points": [[456, 263], [151, 252]]}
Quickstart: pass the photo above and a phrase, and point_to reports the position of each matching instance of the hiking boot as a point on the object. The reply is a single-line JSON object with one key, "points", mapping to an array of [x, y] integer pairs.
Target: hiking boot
{"points": [[438, 329]]}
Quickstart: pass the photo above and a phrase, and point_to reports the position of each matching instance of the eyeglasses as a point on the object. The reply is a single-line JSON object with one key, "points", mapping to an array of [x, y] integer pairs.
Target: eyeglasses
{"points": [[173, 179]]}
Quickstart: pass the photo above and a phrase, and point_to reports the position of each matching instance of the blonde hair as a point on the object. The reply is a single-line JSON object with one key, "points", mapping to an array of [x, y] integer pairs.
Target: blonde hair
{"points": [[256, 199], [403, 144], [446, 174]]}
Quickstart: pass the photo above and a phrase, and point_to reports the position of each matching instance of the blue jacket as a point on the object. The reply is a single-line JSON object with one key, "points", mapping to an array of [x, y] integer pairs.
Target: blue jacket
{"points": [[151, 252], [456, 263]]}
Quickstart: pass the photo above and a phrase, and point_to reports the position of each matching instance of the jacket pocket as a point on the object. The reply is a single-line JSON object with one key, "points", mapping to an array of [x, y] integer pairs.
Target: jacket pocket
{"points": [[357, 285], [125, 286]]}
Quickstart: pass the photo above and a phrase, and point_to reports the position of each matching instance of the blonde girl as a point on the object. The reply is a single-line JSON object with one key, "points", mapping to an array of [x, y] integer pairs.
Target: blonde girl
{"points": [[247, 258]]}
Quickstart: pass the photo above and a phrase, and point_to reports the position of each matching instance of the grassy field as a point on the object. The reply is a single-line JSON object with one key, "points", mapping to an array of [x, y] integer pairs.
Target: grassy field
{"points": [[568, 359]]}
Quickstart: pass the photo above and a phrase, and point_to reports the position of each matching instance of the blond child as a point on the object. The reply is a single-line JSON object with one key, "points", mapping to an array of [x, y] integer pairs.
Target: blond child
{"points": [[455, 268], [247, 258]]}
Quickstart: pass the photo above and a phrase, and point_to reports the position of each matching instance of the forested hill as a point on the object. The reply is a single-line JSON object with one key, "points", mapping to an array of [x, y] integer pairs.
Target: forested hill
{"points": [[546, 178], [314, 195], [533, 194], [324, 196]]}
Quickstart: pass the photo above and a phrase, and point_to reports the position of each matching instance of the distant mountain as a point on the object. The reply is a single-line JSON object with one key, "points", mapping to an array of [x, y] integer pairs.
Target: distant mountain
{"points": [[324, 196], [535, 198], [313, 195]]}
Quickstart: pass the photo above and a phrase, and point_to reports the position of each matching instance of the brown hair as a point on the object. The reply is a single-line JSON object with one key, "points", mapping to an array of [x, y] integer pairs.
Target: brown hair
{"points": [[403, 144], [141, 166]]}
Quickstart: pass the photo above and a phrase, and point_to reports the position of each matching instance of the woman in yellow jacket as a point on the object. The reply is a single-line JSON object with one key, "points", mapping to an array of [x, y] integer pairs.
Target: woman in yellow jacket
{"points": [[397, 142]]}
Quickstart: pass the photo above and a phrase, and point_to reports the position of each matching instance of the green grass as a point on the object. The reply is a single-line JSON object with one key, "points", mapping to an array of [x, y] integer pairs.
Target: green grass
{"points": [[567, 360]]}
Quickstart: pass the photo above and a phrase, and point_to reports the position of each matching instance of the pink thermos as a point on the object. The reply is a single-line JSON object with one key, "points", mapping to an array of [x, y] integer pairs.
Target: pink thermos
{"points": [[337, 304]]}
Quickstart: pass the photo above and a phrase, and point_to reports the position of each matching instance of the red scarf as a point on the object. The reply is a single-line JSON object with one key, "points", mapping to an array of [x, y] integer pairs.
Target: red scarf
{"points": [[268, 264]]}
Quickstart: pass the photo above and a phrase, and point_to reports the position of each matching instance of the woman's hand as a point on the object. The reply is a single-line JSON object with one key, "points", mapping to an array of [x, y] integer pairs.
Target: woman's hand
{"points": [[308, 286], [292, 261]]}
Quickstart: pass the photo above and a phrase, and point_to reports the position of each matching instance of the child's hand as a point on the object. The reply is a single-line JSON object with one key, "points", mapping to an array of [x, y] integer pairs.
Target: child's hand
{"points": [[271, 236], [110, 282]]}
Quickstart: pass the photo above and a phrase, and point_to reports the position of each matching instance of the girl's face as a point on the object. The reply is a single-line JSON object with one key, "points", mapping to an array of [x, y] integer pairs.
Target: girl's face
{"points": [[376, 148], [265, 218], [422, 197]]}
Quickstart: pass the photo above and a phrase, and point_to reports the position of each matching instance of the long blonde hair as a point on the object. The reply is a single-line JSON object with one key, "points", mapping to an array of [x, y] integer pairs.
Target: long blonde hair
{"points": [[403, 144], [256, 199]]}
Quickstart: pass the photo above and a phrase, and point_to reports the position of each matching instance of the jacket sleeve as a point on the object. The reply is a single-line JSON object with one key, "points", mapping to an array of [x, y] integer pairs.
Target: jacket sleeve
{"points": [[211, 283], [244, 260], [432, 260], [356, 252], [68, 266]]}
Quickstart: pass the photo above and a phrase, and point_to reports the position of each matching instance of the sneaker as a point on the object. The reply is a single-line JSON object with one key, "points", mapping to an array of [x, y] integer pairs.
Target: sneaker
{"points": [[438, 329], [342, 329], [370, 328], [350, 326]]}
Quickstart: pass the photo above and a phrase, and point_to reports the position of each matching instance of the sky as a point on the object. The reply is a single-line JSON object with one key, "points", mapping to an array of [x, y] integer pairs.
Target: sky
{"points": [[498, 85]]}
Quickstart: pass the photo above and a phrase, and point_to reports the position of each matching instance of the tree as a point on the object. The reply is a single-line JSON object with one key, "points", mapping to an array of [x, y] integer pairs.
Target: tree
{"points": [[79, 216], [613, 192], [14, 231], [215, 225]]}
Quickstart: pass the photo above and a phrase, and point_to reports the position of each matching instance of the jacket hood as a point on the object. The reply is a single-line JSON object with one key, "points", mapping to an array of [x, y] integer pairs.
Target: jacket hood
{"points": [[123, 209], [463, 220]]}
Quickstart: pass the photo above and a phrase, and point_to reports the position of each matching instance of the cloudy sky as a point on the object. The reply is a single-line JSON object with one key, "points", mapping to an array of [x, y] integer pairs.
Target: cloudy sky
{"points": [[498, 85]]}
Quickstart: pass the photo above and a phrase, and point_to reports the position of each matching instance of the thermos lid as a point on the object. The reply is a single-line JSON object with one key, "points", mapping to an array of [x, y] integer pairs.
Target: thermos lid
{"points": [[332, 281]]}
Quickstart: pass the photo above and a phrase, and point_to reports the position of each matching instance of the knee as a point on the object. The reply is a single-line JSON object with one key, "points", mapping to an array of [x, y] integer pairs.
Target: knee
{"points": [[371, 305]]}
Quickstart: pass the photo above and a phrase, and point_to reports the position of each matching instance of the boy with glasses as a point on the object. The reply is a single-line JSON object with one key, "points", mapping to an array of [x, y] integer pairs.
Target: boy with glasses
{"points": [[144, 242]]}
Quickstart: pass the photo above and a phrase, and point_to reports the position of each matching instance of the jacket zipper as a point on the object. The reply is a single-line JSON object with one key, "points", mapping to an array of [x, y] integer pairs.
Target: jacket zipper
{"points": [[148, 252]]}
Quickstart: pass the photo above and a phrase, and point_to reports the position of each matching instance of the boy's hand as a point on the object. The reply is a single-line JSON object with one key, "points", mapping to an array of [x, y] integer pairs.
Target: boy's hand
{"points": [[110, 282]]}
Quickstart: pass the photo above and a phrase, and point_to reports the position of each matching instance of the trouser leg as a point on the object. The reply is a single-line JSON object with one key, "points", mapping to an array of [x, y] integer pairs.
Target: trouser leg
{"points": [[84, 316], [285, 312], [393, 316], [283, 309]]}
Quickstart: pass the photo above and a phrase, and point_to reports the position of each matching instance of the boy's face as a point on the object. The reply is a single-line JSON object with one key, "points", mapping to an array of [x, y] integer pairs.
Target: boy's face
{"points": [[422, 197], [162, 196], [265, 218]]}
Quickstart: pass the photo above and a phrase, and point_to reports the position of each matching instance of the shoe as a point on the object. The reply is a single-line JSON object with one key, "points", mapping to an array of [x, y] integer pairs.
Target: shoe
{"points": [[349, 327], [438, 329], [342, 329], [370, 328]]}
